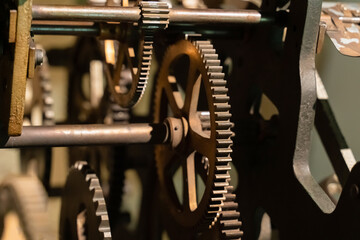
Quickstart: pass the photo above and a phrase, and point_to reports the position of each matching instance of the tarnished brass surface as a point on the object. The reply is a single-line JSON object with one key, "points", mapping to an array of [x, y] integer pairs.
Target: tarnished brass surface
{"points": [[15, 61], [342, 28]]}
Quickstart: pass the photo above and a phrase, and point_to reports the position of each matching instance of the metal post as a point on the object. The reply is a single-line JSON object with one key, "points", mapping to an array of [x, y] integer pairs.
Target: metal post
{"points": [[84, 135]]}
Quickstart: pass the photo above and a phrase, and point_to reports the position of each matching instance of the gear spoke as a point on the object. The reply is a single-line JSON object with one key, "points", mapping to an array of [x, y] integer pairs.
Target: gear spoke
{"points": [[189, 183], [201, 144], [118, 67], [173, 100], [193, 89]]}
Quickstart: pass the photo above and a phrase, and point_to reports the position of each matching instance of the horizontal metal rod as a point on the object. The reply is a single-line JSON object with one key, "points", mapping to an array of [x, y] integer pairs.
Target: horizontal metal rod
{"points": [[85, 13], [85, 135], [132, 14], [66, 30], [355, 20]]}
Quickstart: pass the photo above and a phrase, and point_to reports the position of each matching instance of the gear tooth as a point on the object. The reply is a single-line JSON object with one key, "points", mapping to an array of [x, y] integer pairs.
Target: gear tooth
{"points": [[221, 98], [215, 68], [222, 115], [222, 176], [224, 142], [223, 151], [232, 234], [223, 134], [219, 90], [230, 197], [225, 159], [230, 224], [231, 214], [230, 205], [229, 189], [218, 75], [223, 168], [224, 125]]}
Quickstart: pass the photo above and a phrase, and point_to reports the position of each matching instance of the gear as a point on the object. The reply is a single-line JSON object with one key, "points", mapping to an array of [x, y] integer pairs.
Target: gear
{"points": [[83, 207], [154, 16], [39, 111], [205, 89], [26, 197]]}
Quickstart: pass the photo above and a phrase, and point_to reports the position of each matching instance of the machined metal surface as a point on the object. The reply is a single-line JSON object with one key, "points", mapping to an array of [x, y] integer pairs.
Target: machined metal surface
{"points": [[81, 135], [132, 14]]}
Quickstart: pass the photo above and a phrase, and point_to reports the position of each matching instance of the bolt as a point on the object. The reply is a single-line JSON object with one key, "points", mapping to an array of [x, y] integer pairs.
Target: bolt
{"points": [[354, 191], [39, 57]]}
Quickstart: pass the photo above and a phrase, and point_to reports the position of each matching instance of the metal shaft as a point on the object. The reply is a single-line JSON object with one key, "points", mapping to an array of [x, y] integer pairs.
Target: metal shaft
{"points": [[84, 135], [132, 14], [66, 30]]}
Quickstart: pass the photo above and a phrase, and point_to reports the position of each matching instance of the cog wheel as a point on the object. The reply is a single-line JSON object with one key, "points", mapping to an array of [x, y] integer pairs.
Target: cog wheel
{"points": [[38, 111], [154, 16], [24, 198], [193, 68], [83, 208]]}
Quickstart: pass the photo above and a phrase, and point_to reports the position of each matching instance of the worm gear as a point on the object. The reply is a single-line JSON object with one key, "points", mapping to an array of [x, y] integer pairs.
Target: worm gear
{"points": [[194, 69], [25, 197], [154, 16], [83, 208]]}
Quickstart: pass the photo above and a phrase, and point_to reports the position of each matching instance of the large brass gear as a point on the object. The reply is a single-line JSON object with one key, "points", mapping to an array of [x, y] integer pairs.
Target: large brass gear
{"points": [[205, 153]]}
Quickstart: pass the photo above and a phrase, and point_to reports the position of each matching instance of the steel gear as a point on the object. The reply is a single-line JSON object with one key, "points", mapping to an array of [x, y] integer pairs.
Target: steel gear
{"points": [[154, 16], [26, 197], [205, 87], [83, 207]]}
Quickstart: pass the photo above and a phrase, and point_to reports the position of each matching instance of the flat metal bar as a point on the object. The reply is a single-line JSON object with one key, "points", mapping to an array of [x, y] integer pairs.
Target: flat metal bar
{"points": [[85, 135], [132, 14]]}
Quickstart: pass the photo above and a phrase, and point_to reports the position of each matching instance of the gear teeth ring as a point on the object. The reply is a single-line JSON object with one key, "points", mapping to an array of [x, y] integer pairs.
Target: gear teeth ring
{"points": [[154, 16], [48, 101], [229, 217], [83, 192], [218, 121]]}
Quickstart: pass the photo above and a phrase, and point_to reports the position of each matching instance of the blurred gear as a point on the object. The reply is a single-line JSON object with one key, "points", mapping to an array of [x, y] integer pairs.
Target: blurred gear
{"points": [[154, 16], [193, 67], [39, 112], [83, 208], [24, 197]]}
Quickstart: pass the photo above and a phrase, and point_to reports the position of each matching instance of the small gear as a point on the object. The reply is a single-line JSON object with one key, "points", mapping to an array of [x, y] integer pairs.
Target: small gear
{"points": [[83, 208], [26, 197], [205, 89], [154, 16]]}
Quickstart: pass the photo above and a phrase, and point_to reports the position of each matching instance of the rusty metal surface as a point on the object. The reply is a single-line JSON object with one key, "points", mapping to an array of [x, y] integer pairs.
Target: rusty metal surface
{"points": [[342, 27], [14, 62]]}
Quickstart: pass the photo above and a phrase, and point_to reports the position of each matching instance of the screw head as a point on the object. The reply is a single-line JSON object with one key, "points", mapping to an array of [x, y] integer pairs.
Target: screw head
{"points": [[39, 57]]}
